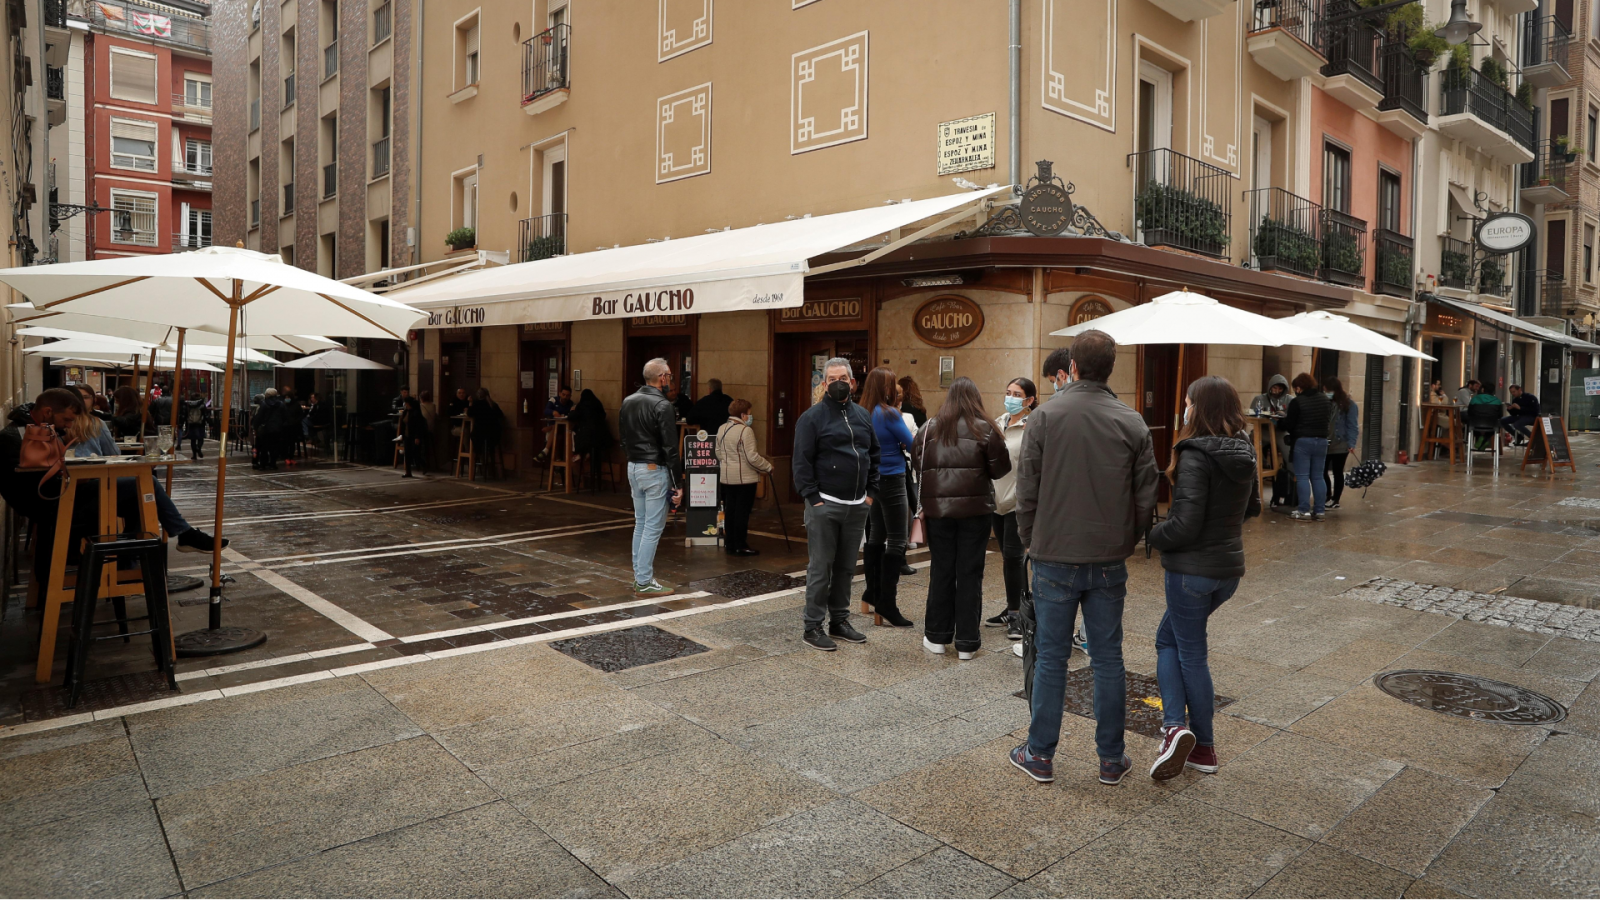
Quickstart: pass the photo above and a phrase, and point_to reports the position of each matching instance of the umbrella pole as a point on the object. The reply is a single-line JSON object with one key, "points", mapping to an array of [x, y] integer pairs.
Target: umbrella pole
{"points": [[149, 388], [215, 639], [177, 400]]}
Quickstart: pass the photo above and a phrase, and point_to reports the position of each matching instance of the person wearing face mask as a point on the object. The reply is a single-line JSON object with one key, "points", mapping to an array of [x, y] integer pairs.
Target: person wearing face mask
{"points": [[1020, 399], [740, 469], [887, 522], [836, 470], [1057, 369]]}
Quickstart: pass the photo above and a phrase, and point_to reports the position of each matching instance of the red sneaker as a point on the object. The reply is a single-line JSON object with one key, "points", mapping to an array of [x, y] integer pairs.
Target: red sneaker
{"points": [[1176, 744], [1203, 759]]}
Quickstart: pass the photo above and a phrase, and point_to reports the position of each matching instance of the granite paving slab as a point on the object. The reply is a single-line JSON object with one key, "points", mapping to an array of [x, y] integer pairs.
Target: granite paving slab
{"points": [[946, 872], [1325, 872], [1409, 820], [734, 698], [116, 850], [1513, 849]]}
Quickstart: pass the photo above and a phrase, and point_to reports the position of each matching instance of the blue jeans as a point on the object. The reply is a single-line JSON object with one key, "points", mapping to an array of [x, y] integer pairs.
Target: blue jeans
{"points": [[1181, 665], [1058, 592], [652, 496], [1311, 456], [167, 513]]}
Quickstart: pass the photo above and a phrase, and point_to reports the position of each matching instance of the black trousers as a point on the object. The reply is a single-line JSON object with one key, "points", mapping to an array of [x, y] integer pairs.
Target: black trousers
{"points": [[888, 524], [737, 502], [1005, 534], [955, 581], [1333, 473], [197, 439]]}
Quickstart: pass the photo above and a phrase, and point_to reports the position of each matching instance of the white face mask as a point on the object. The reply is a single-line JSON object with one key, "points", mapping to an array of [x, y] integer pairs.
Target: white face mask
{"points": [[1187, 415]]}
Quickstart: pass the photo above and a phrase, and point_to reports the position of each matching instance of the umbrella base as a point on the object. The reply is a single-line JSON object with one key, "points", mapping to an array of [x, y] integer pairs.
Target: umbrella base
{"points": [[217, 641], [176, 583]]}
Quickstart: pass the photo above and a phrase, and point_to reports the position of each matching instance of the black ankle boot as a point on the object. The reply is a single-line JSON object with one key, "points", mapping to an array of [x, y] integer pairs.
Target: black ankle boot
{"points": [[888, 607], [872, 563]]}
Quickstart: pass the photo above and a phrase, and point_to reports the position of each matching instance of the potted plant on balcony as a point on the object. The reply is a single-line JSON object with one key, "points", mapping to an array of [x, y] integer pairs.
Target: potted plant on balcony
{"points": [[1493, 71], [462, 238], [1394, 266], [1286, 246], [1564, 148], [1343, 256], [1525, 94], [1174, 217], [542, 247], [1454, 268], [1491, 276], [1425, 46]]}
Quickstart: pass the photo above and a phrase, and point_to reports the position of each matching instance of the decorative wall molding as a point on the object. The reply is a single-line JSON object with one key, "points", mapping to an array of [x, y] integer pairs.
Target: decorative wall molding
{"points": [[1082, 40], [683, 134], [1222, 90], [828, 94], [796, 4], [685, 25]]}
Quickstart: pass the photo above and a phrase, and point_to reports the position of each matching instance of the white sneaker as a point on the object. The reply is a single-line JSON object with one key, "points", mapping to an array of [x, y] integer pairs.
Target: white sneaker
{"points": [[965, 654], [931, 647], [1017, 649]]}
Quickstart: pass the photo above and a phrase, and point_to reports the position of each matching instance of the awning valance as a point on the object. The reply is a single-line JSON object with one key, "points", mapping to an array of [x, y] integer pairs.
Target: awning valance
{"points": [[1512, 323], [756, 268]]}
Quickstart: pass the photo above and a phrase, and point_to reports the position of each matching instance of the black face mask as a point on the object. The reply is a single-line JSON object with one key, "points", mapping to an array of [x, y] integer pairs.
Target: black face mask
{"points": [[839, 391]]}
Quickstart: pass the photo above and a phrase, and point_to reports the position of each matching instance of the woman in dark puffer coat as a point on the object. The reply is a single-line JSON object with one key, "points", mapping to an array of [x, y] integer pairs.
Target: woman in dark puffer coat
{"points": [[1215, 487]]}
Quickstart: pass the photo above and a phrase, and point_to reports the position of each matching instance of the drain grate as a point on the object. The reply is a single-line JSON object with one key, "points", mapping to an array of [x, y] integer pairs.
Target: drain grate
{"points": [[613, 651], [748, 583], [1471, 697]]}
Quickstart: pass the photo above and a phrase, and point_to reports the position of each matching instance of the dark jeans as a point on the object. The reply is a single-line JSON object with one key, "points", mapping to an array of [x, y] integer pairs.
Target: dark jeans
{"points": [[197, 439], [1333, 474], [1005, 533], [1310, 455], [737, 502], [955, 580], [912, 501], [1181, 665], [1518, 425], [1058, 592], [887, 526], [833, 532]]}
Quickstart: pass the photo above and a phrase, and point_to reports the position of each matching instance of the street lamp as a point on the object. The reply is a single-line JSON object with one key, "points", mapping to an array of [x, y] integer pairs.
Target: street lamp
{"points": [[1459, 28]]}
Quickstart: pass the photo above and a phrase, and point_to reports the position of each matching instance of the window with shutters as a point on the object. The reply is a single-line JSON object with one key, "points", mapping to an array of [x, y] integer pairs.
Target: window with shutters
{"points": [[199, 228], [133, 218], [133, 145], [133, 75], [467, 50], [197, 156], [196, 92]]}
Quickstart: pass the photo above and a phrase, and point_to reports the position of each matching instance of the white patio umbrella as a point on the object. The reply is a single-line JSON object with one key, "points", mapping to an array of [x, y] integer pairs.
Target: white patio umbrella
{"points": [[25, 315], [1333, 332], [212, 290], [107, 362], [334, 360], [97, 345], [1184, 317]]}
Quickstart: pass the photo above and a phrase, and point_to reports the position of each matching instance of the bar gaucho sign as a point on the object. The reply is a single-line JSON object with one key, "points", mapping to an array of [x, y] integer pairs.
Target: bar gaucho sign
{"points": [[948, 321]]}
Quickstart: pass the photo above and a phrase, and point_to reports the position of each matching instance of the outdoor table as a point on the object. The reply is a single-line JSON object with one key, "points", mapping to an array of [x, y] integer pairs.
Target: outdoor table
{"points": [[1264, 437], [104, 472], [1431, 426]]}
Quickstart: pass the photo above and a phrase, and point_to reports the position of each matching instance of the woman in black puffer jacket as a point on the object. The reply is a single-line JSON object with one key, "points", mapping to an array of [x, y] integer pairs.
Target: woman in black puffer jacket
{"points": [[1215, 487], [957, 456]]}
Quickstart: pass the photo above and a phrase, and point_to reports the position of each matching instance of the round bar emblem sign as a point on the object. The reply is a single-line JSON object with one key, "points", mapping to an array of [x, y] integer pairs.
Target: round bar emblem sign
{"points": [[1506, 232], [1046, 209], [948, 321]]}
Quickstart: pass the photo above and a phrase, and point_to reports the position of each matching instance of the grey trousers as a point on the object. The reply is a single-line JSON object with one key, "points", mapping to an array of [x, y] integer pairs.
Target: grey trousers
{"points": [[833, 535]]}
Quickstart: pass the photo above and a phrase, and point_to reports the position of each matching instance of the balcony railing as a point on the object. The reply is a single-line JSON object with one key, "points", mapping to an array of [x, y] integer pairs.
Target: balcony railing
{"points": [[1344, 248], [1474, 93], [1285, 232], [1403, 80], [330, 60], [255, 213], [288, 91], [1544, 40], [1455, 263], [330, 180], [1494, 276], [542, 237], [288, 199], [1301, 18], [55, 13], [55, 83], [1549, 166], [1554, 299], [180, 101], [182, 242], [1352, 47], [544, 62], [380, 157], [255, 114], [1181, 202], [1392, 272], [382, 22], [187, 32]]}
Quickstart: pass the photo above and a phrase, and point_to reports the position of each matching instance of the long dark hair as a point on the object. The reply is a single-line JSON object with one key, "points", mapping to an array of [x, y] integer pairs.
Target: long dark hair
{"points": [[879, 390], [1217, 410], [1340, 399], [962, 404], [913, 395]]}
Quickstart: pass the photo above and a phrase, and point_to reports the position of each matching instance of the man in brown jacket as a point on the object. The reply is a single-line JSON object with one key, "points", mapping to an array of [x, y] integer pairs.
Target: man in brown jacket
{"points": [[1089, 467]]}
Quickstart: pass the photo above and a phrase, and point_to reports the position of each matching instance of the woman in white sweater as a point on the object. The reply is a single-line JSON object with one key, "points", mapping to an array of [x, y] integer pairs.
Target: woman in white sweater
{"points": [[1020, 399], [741, 470]]}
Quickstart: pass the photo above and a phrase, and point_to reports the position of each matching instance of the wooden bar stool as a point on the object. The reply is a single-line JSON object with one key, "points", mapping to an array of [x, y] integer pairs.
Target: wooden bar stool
{"points": [[1442, 429], [464, 454], [560, 456]]}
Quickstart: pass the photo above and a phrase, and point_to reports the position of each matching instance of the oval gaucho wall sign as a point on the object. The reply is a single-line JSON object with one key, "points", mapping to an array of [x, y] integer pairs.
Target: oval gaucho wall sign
{"points": [[948, 321], [1086, 309]]}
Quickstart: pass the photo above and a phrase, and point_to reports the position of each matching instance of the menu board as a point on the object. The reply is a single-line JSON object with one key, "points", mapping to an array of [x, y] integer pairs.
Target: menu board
{"points": [[700, 469]]}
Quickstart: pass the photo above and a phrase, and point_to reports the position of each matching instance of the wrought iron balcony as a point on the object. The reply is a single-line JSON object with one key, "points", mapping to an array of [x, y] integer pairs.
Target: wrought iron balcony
{"points": [[1555, 298], [330, 60], [380, 157], [1352, 47], [1394, 253], [1544, 180], [330, 180], [1285, 232], [542, 237], [1302, 19], [1474, 94], [1455, 263], [55, 13], [1544, 51], [182, 242], [1494, 276], [55, 83], [382, 23], [1403, 79], [545, 63], [1181, 202], [1344, 249]]}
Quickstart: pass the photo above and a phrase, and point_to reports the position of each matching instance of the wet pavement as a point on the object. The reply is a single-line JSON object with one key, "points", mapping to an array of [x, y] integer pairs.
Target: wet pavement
{"points": [[461, 695]]}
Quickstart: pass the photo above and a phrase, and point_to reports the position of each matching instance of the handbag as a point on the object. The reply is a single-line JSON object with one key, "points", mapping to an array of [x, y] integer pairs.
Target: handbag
{"points": [[1028, 624], [42, 449], [918, 534]]}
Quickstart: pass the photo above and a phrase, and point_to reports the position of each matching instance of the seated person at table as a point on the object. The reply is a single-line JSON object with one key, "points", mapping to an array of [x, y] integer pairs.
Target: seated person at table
{"points": [[1436, 394], [487, 424], [398, 404], [1482, 397], [557, 407], [1275, 402], [1524, 408], [591, 432], [711, 411], [1468, 393], [458, 406], [125, 424], [88, 437]]}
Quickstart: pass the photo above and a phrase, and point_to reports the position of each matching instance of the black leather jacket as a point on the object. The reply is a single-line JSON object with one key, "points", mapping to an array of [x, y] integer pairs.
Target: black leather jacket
{"points": [[1214, 489], [649, 424]]}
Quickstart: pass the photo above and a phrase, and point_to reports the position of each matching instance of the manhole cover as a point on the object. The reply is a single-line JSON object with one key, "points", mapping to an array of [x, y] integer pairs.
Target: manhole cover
{"points": [[1471, 697], [613, 651]]}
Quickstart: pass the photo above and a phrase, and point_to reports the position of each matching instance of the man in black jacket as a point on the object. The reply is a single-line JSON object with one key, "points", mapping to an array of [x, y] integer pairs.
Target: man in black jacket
{"points": [[1524, 409], [711, 411], [649, 425], [836, 471]]}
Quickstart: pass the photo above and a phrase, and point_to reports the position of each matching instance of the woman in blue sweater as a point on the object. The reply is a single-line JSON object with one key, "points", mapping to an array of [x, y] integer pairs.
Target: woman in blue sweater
{"points": [[887, 520]]}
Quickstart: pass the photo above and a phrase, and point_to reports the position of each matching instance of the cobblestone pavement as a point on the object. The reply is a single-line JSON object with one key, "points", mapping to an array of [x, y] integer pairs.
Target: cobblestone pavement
{"points": [[461, 696]]}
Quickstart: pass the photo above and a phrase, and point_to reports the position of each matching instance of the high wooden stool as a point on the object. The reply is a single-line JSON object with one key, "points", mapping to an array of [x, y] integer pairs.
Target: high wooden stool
{"points": [[464, 454]]}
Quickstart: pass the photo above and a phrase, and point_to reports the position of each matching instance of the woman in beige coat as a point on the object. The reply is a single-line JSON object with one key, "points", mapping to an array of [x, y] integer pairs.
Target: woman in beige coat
{"points": [[742, 469]]}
